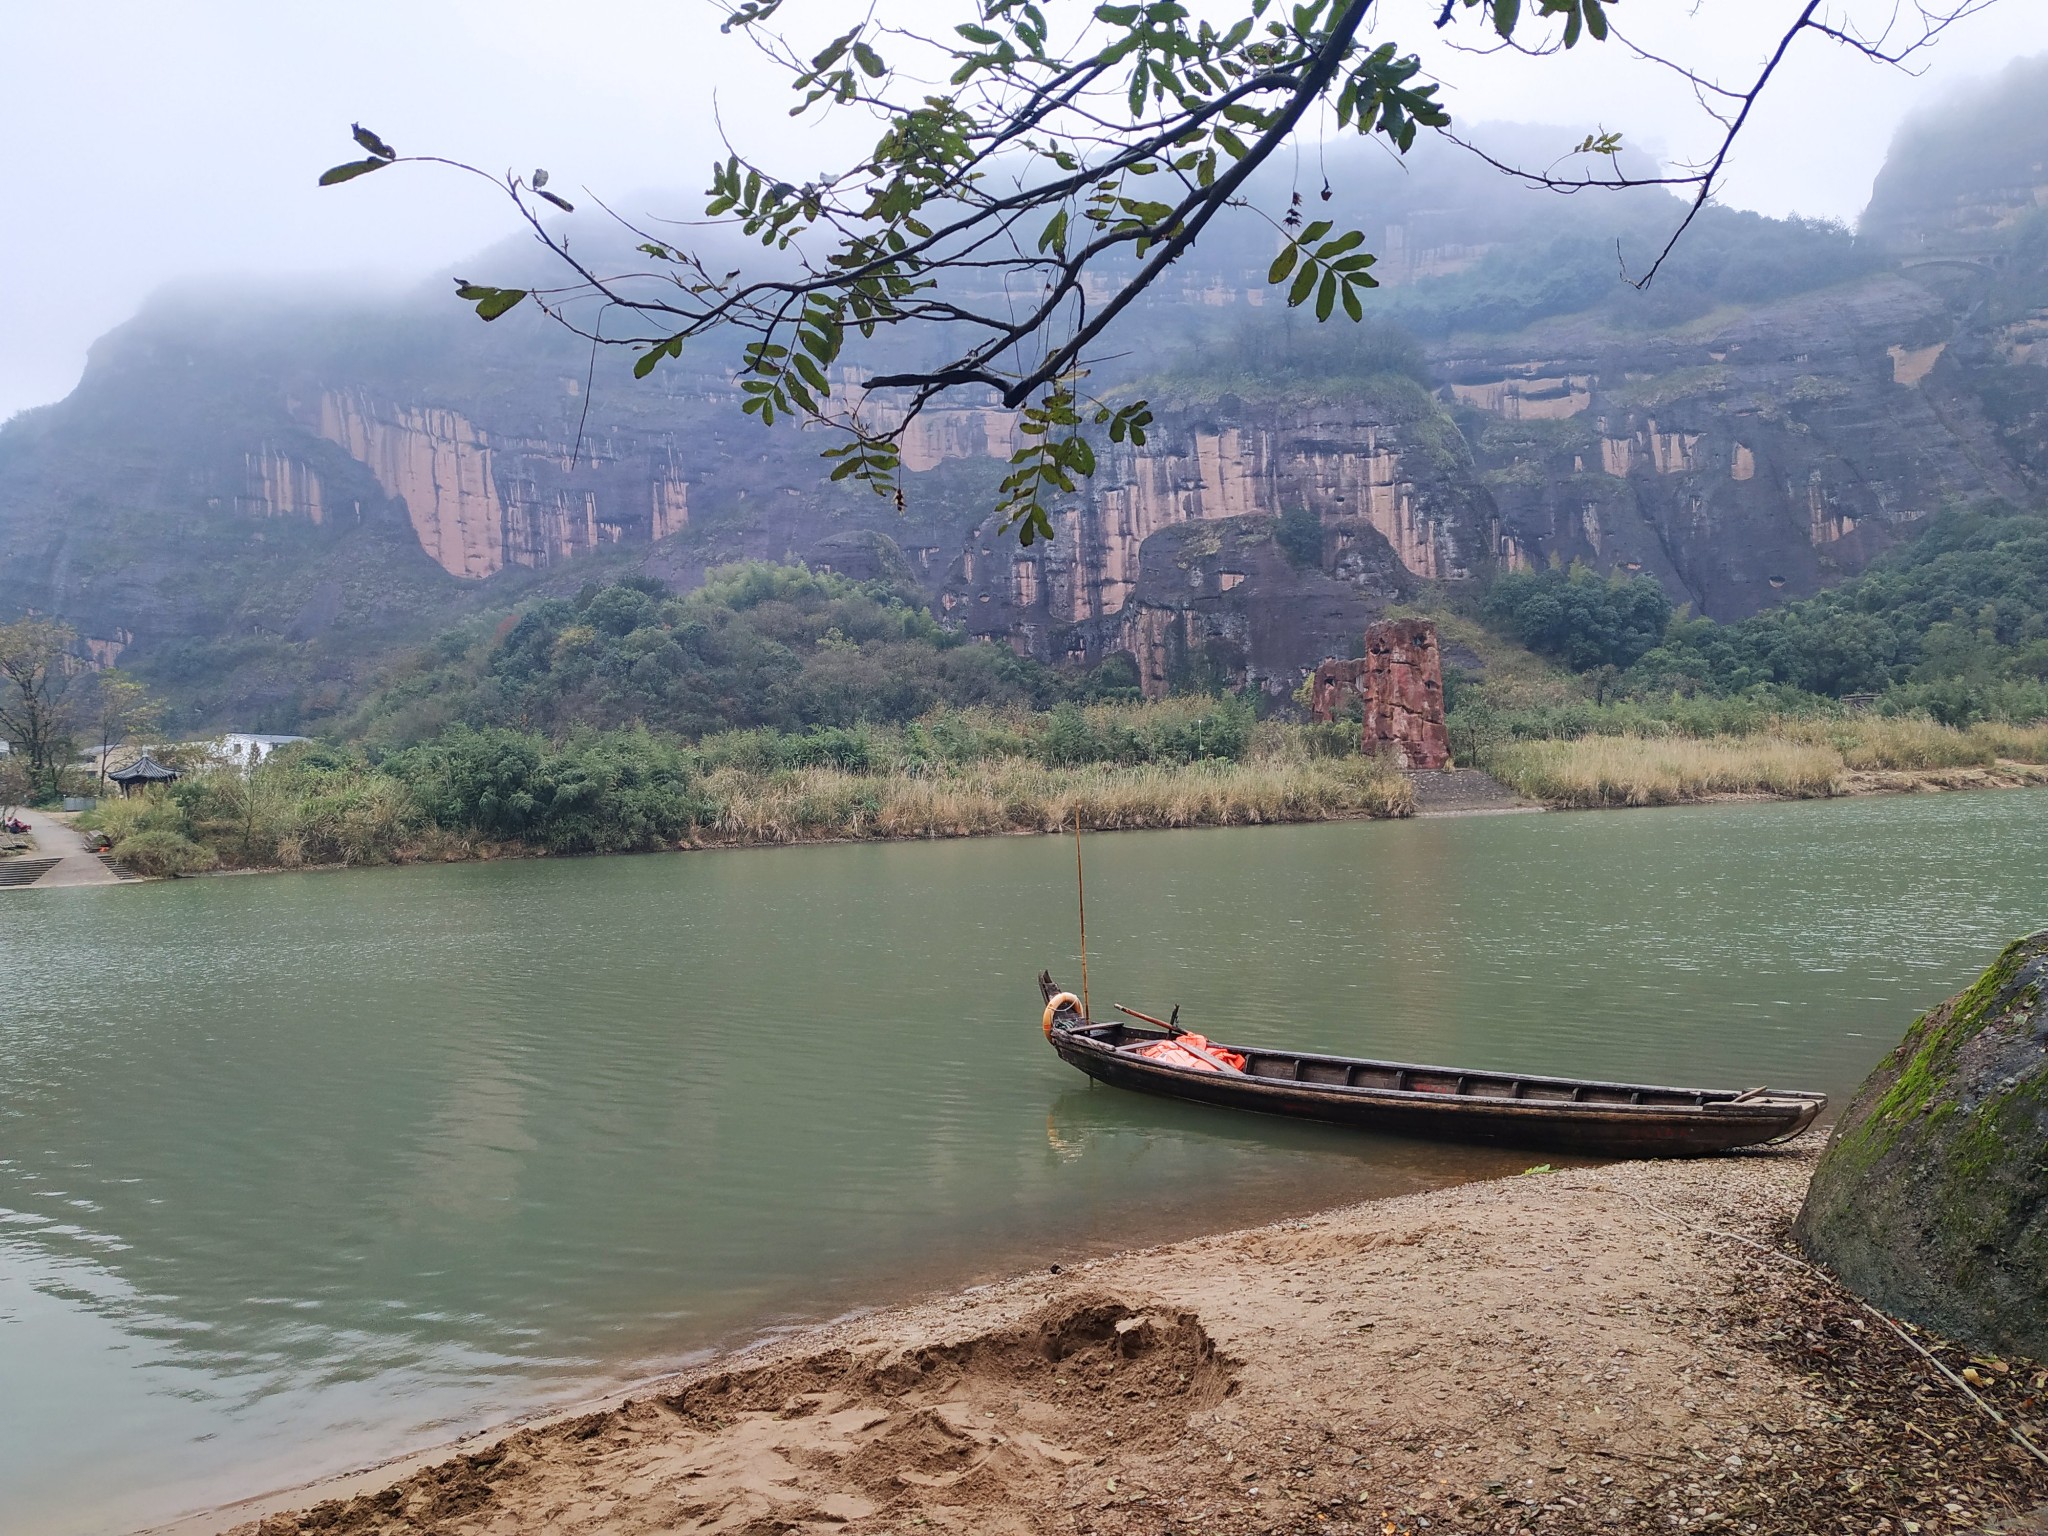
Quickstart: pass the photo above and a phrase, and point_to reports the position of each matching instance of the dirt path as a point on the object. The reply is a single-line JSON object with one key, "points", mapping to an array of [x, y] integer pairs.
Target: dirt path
{"points": [[1591, 1350], [75, 865]]}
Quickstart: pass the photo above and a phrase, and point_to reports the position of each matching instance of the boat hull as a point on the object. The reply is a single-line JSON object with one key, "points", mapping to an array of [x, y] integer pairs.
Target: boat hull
{"points": [[1567, 1117]]}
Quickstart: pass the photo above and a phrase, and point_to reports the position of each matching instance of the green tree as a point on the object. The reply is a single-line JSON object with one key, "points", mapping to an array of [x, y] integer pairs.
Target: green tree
{"points": [[1961, 610], [1300, 536], [1028, 186], [1585, 621], [117, 708], [37, 663], [14, 783]]}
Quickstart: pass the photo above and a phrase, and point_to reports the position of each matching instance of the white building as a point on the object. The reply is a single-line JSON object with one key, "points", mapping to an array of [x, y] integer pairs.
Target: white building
{"points": [[245, 749]]}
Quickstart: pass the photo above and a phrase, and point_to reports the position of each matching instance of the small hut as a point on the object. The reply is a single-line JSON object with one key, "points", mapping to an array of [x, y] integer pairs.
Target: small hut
{"points": [[145, 770]]}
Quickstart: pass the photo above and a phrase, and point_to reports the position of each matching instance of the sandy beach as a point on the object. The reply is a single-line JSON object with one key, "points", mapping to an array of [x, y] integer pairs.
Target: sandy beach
{"points": [[1615, 1348]]}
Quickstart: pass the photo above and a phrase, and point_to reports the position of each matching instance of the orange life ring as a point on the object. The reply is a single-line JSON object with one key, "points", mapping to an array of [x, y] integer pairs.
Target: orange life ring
{"points": [[1058, 1001]]}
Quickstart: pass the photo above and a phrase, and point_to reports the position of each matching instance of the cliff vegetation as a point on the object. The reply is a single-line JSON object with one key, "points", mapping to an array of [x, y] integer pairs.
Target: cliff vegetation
{"points": [[1952, 627]]}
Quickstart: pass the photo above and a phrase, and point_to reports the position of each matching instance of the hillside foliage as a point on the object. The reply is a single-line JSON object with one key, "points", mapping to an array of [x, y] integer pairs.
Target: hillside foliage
{"points": [[1578, 618], [1729, 256], [1955, 622], [758, 646]]}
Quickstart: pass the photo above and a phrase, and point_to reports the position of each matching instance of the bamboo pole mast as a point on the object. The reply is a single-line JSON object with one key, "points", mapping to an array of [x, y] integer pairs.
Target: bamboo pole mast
{"points": [[1081, 895]]}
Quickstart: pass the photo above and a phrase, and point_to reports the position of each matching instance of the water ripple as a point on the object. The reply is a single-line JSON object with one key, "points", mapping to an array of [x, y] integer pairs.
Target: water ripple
{"points": [[299, 1171]]}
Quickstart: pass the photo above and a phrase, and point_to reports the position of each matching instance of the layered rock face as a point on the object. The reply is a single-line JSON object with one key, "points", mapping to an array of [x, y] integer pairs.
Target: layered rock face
{"points": [[1170, 547], [1932, 1198], [477, 504], [251, 509], [1758, 460]]}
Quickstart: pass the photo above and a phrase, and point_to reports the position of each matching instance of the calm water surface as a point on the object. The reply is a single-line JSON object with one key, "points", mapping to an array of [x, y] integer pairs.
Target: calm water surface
{"points": [[299, 1171]]}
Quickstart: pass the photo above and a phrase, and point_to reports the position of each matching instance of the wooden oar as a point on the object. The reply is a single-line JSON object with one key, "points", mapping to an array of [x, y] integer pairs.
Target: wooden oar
{"points": [[1171, 1026]]}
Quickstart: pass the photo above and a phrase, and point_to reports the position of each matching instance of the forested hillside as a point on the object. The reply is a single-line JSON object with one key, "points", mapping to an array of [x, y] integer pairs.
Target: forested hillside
{"points": [[259, 503], [756, 646]]}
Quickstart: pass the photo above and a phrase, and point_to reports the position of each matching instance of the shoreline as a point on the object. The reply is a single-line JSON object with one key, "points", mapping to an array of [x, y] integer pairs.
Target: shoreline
{"points": [[1556, 1349], [1855, 784]]}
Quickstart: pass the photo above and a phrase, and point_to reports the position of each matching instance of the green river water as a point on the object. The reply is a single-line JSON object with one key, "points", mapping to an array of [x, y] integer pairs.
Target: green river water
{"points": [[298, 1171]]}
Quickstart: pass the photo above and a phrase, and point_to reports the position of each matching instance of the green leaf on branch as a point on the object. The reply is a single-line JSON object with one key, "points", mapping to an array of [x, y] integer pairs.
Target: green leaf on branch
{"points": [[1054, 236], [644, 364], [334, 176], [490, 302]]}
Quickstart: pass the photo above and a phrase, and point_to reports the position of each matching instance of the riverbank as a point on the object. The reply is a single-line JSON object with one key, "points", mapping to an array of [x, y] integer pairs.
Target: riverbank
{"points": [[480, 796], [1784, 758], [1450, 793], [1607, 1348]]}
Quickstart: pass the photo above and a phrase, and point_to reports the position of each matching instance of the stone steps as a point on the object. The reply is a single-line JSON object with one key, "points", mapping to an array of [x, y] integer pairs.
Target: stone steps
{"points": [[24, 871], [1462, 791]]}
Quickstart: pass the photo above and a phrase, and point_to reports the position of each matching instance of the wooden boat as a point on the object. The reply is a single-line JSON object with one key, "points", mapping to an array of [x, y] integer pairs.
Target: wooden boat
{"points": [[1447, 1103]]}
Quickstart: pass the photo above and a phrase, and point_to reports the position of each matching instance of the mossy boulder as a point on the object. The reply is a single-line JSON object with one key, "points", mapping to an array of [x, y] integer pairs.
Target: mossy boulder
{"points": [[1932, 1198]]}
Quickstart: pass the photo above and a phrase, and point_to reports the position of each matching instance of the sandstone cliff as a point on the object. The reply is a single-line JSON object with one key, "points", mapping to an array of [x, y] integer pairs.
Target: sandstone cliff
{"points": [[251, 505], [1740, 462]]}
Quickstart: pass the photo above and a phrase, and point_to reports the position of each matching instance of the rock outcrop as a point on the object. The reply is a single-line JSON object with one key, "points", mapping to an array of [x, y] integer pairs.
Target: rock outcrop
{"points": [[254, 506], [1399, 686], [1763, 458], [1932, 1198], [1404, 694], [1171, 547]]}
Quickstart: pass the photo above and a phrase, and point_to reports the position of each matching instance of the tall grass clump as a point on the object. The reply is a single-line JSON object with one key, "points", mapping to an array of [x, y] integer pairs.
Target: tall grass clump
{"points": [[1868, 742], [1636, 770], [1017, 796], [2015, 743], [308, 805]]}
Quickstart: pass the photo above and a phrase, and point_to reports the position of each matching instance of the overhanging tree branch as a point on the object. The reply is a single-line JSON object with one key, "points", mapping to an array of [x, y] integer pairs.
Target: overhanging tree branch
{"points": [[1078, 173]]}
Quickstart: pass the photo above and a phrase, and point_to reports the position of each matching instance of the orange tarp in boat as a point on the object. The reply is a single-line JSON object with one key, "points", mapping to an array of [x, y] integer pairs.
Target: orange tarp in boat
{"points": [[1191, 1051]]}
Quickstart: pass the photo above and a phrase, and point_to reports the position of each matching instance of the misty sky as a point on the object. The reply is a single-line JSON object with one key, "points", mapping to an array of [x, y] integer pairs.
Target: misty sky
{"points": [[149, 143]]}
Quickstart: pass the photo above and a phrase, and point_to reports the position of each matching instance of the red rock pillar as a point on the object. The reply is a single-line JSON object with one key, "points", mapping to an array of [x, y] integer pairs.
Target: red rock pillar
{"points": [[1404, 694], [1334, 679]]}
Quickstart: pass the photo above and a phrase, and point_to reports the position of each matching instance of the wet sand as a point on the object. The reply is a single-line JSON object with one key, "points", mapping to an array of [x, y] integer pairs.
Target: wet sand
{"points": [[1615, 1348]]}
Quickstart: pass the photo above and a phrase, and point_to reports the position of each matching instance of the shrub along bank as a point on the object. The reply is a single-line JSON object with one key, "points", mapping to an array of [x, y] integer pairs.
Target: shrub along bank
{"points": [[1179, 763], [470, 792]]}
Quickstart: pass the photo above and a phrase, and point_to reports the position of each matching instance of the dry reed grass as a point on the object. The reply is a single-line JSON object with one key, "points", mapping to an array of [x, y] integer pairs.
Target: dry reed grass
{"points": [[1635, 770], [2015, 743], [1867, 742], [1795, 756], [1007, 796]]}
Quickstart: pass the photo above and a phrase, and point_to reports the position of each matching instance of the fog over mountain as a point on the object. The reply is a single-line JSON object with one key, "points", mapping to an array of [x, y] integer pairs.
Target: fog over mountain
{"points": [[260, 493], [158, 144]]}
